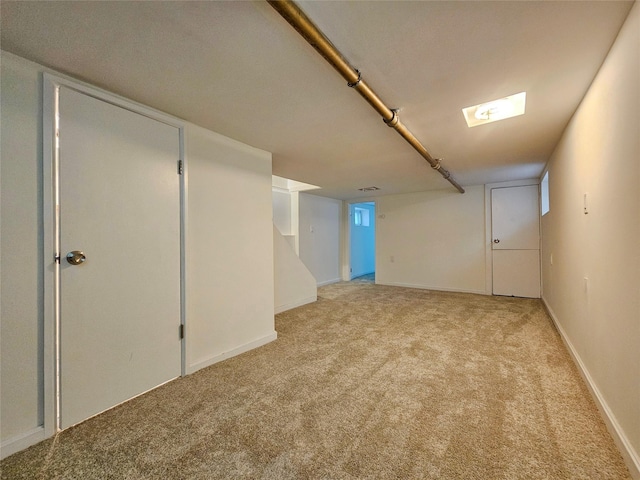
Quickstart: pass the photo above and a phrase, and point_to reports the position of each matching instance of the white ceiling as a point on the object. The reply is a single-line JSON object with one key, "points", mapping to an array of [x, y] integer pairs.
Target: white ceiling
{"points": [[239, 69]]}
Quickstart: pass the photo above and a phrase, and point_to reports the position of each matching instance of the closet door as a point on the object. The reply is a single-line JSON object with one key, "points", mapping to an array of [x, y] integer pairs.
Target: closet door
{"points": [[119, 214], [515, 226]]}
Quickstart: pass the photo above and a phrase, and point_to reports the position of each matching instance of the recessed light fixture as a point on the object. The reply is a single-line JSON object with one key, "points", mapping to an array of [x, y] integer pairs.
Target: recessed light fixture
{"points": [[369, 189], [495, 110]]}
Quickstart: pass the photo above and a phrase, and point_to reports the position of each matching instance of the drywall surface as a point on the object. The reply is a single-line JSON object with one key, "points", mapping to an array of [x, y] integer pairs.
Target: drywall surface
{"points": [[591, 262], [433, 240], [362, 239], [282, 212], [294, 284], [319, 227], [21, 308], [229, 251]]}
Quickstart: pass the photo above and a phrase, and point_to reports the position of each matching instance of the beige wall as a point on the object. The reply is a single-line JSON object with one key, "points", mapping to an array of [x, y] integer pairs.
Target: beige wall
{"points": [[432, 240], [599, 154], [21, 252], [319, 232], [229, 251], [293, 283]]}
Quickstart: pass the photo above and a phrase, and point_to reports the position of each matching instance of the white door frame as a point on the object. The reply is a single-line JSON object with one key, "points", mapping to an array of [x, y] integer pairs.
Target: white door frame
{"points": [[488, 283], [346, 234], [375, 232], [51, 229]]}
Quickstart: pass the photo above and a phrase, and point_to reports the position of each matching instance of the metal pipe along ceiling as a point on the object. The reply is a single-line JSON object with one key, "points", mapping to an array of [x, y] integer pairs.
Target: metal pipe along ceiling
{"points": [[312, 34]]}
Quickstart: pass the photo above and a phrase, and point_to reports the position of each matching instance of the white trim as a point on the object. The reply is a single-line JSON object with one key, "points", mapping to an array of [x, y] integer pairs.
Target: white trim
{"points": [[299, 303], [630, 456], [347, 274], [51, 84], [232, 353], [345, 235], [329, 282], [279, 189], [113, 99], [184, 191], [49, 267], [488, 253], [434, 288], [20, 442]]}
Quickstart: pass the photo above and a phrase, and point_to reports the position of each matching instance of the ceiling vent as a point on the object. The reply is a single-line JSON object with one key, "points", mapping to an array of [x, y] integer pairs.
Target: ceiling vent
{"points": [[369, 189]]}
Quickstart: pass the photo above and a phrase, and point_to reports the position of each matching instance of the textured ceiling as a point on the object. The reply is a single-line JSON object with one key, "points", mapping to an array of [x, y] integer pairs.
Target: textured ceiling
{"points": [[239, 69]]}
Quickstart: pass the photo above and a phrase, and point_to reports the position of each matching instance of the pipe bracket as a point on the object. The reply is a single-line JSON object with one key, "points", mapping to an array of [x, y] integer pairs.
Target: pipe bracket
{"points": [[393, 121], [439, 168], [355, 84]]}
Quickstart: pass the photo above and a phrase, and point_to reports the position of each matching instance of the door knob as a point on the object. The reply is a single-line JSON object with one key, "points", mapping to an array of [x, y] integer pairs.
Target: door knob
{"points": [[496, 240], [76, 257]]}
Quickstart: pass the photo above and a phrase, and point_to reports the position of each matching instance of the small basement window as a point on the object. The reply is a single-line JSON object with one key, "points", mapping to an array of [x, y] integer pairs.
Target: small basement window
{"points": [[361, 217], [544, 194]]}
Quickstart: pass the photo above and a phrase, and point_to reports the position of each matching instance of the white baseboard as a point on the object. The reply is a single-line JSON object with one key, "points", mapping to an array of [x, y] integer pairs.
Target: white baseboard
{"points": [[630, 456], [299, 303], [22, 441], [434, 288], [327, 282], [232, 353]]}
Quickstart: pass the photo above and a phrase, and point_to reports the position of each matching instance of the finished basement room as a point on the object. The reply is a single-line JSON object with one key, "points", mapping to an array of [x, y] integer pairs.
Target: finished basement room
{"points": [[320, 240]]}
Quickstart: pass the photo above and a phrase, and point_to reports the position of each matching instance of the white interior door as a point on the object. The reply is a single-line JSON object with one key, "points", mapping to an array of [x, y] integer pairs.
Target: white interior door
{"points": [[515, 230], [119, 205]]}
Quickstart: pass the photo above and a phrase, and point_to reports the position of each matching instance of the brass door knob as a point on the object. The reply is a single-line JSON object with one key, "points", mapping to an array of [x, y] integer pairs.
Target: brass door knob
{"points": [[76, 257]]}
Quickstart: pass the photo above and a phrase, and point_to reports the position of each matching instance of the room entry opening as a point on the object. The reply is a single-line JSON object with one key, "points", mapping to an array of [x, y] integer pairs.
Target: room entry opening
{"points": [[362, 244]]}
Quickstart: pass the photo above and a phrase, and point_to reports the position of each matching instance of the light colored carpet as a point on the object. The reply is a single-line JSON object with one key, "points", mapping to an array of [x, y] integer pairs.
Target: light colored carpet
{"points": [[370, 382]]}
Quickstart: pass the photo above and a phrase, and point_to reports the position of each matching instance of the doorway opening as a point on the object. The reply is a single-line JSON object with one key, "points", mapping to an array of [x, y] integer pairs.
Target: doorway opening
{"points": [[362, 242]]}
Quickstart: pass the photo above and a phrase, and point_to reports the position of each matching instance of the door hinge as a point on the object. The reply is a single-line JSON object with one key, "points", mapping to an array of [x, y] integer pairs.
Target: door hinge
{"points": [[56, 258], [180, 167], [181, 330]]}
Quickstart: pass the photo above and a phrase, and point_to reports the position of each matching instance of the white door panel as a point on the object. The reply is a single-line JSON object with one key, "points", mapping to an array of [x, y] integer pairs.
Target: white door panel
{"points": [[516, 273], [515, 228], [120, 206], [515, 215]]}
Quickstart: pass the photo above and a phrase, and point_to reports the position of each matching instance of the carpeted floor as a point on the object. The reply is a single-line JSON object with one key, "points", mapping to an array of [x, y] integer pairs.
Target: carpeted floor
{"points": [[370, 382]]}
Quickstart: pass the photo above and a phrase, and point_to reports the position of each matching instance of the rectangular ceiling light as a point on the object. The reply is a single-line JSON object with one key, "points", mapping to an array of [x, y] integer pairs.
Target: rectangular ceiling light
{"points": [[495, 110]]}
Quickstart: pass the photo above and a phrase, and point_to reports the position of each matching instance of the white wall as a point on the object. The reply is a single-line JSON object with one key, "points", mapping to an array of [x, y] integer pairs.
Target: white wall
{"points": [[229, 282], [21, 252], [599, 154], [319, 228], [362, 239], [294, 284], [285, 211], [433, 240], [229, 252], [282, 211]]}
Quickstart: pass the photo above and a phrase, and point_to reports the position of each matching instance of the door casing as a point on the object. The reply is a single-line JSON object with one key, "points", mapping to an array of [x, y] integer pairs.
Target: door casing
{"points": [[350, 225]]}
